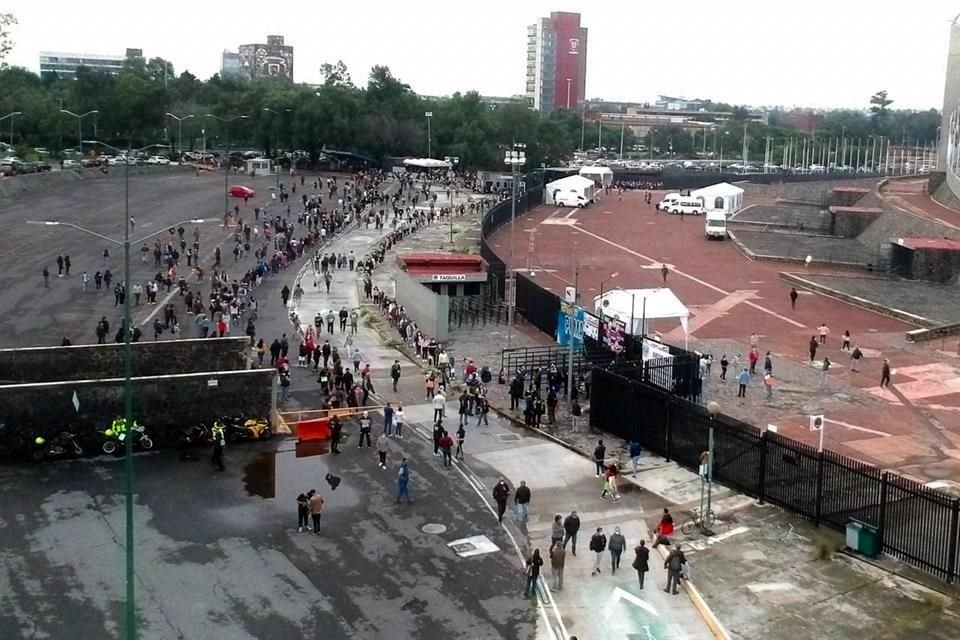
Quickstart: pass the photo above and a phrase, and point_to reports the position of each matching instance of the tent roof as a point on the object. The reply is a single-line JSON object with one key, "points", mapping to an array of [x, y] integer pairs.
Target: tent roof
{"points": [[426, 163], [570, 182], [719, 189], [599, 170], [627, 303]]}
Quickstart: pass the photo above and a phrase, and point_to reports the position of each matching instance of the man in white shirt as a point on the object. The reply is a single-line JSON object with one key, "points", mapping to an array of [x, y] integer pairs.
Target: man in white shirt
{"points": [[439, 402]]}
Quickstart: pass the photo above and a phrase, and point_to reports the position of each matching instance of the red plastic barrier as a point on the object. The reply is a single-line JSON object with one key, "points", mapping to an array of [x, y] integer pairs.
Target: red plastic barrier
{"points": [[316, 429]]}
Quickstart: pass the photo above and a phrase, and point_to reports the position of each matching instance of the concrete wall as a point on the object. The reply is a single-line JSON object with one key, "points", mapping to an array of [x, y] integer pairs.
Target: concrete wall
{"points": [[896, 223], [85, 362], [931, 265], [847, 196], [851, 224], [430, 310], [819, 192], [161, 403]]}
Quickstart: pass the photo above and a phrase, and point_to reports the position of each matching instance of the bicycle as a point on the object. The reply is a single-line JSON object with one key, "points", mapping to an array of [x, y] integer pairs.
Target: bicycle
{"points": [[697, 522]]}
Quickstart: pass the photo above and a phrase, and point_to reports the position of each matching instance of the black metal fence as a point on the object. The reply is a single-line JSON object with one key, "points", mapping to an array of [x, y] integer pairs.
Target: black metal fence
{"points": [[497, 216], [473, 311], [919, 525]]}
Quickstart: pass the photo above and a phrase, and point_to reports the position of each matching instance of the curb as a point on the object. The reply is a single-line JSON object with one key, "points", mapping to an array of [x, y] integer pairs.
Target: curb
{"points": [[857, 301], [700, 604]]}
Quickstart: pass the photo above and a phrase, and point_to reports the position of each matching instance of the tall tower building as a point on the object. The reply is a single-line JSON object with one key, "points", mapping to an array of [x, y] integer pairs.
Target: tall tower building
{"points": [[556, 62]]}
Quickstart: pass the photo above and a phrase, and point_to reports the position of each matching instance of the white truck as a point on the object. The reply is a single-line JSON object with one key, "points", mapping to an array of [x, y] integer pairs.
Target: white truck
{"points": [[715, 226]]}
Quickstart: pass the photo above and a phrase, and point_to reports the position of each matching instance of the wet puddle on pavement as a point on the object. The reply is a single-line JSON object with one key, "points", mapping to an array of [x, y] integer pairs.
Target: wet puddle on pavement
{"points": [[285, 473]]}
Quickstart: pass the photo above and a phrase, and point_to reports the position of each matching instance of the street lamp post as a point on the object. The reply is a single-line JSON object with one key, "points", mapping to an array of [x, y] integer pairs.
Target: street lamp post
{"points": [[226, 158], [516, 157], [450, 191], [79, 118], [179, 133], [605, 280], [12, 115], [706, 475], [429, 115], [276, 168]]}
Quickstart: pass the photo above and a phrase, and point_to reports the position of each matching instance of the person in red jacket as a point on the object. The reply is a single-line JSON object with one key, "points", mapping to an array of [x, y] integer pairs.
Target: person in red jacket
{"points": [[446, 447]]}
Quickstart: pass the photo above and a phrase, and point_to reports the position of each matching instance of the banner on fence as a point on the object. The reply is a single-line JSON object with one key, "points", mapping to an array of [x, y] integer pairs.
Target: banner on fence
{"points": [[564, 331], [613, 332]]}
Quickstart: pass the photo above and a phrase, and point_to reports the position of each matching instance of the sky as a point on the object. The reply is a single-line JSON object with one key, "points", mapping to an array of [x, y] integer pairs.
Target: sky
{"points": [[817, 53]]}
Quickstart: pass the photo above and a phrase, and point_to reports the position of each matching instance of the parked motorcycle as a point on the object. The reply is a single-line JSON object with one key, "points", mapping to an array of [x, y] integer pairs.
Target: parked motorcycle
{"points": [[63, 445], [238, 429], [115, 438], [198, 434]]}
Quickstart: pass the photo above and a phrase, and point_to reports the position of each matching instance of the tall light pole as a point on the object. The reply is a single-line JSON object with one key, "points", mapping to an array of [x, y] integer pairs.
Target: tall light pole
{"points": [[226, 157], [569, 82], [275, 136], [605, 280], [429, 115], [515, 158], [80, 118], [725, 134], [130, 608], [11, 115], [179, 133], [570, 328]]}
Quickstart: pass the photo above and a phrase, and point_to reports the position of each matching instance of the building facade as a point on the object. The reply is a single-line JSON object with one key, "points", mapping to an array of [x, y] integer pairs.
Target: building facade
{"points": [[271, 60], [65, 65], [556, 62], [948, 153]]}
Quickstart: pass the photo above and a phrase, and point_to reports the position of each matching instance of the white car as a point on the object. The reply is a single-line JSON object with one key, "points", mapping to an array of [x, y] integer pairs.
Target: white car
{"points": [[668, 201], [161, 160], [115, 160], [687, 206]]}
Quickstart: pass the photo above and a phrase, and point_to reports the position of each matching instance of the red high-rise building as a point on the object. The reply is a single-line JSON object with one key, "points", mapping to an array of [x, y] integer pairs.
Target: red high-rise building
{"points": [[556, 62]]}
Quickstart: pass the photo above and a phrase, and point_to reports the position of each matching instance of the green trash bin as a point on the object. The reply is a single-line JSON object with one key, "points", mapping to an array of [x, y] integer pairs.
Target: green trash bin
{"points": [[863, 538], [869, 540]]}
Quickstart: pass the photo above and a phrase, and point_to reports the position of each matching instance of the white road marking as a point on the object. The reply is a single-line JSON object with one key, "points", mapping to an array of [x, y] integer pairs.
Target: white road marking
{"points": [[760, 587], [702, 544], [855, 427], [688, 276], [618, 595]]}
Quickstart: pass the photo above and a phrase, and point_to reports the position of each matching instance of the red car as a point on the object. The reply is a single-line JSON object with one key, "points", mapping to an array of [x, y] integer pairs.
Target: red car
{"points": [[240, 191]]}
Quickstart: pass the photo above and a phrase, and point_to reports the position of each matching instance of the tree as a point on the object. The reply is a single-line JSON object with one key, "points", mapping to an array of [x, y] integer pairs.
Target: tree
{"points": [[7, 20], [335, 75], [879, 107]]}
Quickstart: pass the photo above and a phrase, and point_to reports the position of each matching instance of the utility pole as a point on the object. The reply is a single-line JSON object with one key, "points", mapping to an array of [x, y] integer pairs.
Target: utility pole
{"points": [[515, 158], [622, 128], [571, 328]]}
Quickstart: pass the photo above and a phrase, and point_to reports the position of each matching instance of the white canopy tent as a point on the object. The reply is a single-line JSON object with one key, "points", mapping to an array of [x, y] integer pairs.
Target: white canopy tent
{"points": [[642, 305], [718, 197], [426, 163], [583, 186], [603, 176]]}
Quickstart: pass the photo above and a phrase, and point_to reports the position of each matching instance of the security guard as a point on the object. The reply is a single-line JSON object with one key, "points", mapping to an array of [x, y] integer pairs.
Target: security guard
{"points": [[219, 440]]}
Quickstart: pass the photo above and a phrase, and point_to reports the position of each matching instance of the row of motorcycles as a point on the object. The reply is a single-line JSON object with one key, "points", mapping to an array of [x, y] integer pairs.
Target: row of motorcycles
{"points": [[112, 441]]}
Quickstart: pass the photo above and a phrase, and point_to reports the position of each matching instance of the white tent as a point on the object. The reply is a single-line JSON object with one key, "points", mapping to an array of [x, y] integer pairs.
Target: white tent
{"points": [[582, 186], [642, 305], [603, 176], [426, 163], [723, 197]]}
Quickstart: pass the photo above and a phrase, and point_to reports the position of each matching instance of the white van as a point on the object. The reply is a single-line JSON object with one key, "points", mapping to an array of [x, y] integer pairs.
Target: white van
{"points": [[668, 200], [570, 199], [688, 206], [715, 225]]}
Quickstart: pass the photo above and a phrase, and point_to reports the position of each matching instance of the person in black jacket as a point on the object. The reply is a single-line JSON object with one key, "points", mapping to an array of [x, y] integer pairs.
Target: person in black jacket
{"points": [[500, 494], [598, 544], [599, 456], [640, 561], [521, 499], [571, 525], [516, 392]]}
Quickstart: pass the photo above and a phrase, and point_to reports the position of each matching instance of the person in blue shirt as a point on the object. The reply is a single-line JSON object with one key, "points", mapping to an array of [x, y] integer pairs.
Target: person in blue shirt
{"points": [[403, 481], [635, 455], [744, 380]]}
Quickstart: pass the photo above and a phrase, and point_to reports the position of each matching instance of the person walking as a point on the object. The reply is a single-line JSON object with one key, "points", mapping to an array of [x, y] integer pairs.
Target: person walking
{"points": [[383, 447], [768, 363], [616, 545], [439, 402], [46, 277], [483, 408], [674, 566], [398, 421], [743, 380], [303, 510], [558, 558], [845, 341], [635, 451], [768, 384], [388, 420], [724, 363], [403, 482], [217, 457], [885, 374], [640, 561], [336, 429], [793, 298], [461, 436], [316, 510], [364, 429], [395, 374], [446, 448], [855, 357], [556, 532], [532, 572], [500, 494], [571, 526], [812, 347], [285, 295], [599, 455], [521, 502], [598, 544], [664, 270]]}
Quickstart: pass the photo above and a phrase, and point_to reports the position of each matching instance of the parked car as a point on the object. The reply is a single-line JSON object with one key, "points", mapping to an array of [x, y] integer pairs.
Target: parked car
{"points": [[668, 200], [687, 206], [28, 167], [70, 163], [240, 191], [570, 199], [158, 160], [93, 162]]}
